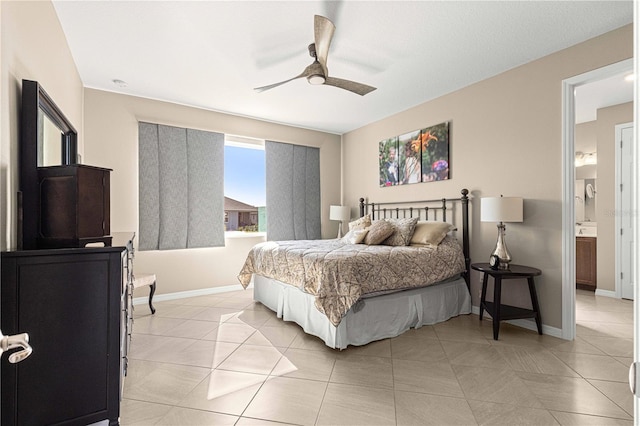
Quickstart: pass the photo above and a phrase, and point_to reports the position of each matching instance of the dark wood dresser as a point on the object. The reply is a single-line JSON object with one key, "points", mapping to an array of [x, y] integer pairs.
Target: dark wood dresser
{"points": [[74, 206], [73, 304]]}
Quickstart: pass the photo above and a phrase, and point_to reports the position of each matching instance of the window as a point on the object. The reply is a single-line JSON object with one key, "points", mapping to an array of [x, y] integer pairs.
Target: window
{"points": [[244, 184]]}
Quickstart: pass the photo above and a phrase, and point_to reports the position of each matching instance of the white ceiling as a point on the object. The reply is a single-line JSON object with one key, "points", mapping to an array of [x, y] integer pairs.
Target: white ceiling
{"points": [[211, 54]]}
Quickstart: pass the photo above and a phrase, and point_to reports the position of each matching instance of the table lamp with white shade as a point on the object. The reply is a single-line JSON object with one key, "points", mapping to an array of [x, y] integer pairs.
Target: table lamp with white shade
{"points": [[341, 213], [501, 209]]}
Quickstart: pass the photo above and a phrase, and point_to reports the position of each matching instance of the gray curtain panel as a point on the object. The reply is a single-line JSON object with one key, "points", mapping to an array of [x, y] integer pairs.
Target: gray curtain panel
{"points": [[293, 191], [181, 188]]}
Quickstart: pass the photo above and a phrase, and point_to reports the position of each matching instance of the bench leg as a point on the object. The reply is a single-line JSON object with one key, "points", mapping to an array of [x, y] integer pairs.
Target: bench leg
{"points": [[151, 292]]}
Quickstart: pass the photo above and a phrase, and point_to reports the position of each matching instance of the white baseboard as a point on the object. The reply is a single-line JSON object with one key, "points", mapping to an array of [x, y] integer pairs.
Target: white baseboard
{"points": [[189, 293], [529, 324], [606, 293]]}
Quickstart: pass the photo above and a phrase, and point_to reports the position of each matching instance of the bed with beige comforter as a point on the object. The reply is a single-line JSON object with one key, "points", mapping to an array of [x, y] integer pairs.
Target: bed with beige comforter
{"points": [[338, 274]]}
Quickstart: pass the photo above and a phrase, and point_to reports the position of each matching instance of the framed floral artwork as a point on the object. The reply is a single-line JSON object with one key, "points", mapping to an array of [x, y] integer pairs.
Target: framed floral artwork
{"points": [[388, 162], [414, 157], [409, 158], [435, 152]]}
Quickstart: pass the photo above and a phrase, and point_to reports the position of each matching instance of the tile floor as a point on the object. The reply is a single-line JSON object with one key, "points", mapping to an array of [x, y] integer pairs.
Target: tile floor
{"points": [[225, 360]]}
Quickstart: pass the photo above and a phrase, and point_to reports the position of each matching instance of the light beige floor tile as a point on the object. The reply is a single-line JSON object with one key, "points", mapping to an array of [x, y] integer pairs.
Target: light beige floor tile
{"points": [[513, 335], [303, 364], [605, 329], [353, 405], [380, 348], [253, 317], [161, 383], [488, 413], [192, 329], [287, 400], [142, 310], [422, 410], [217, 314], [228, 392], [571, 394], [573, 419], [578, 345], [495, 376], [230, 332], [625, 361], [248, 421], [495, 385], [614, 346], [204, 301], [469, 330], [154, 324], [613, 316], [595, 366], [273, 336], [426, 377], [252, 359], [221, 351], [617, 392], [173, 350], [410, 348], [363, 371], [139, 413], [177, 311], [179, 416], [312, 343], [234, 303], [534, 360], [157, 348], [198, 354], [473, 354]]}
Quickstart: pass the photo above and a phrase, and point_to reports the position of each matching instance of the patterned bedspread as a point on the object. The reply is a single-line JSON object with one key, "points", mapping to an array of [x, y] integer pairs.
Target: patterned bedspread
{"points": [[338, 274]]}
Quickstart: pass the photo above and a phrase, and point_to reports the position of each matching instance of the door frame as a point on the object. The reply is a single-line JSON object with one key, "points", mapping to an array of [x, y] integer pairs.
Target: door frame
{"points": [[568, 191], [619, 210]]}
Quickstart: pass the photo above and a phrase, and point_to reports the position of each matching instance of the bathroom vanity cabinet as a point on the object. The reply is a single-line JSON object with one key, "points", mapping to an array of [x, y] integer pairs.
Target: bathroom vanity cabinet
{"points": [[586, 259]]}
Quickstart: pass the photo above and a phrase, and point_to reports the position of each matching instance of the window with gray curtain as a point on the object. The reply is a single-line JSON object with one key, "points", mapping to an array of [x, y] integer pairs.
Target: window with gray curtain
{"points": [[293, 191], [181, 188]]}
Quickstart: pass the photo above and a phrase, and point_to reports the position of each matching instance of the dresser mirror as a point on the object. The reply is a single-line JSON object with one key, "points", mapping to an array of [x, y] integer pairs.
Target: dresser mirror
{"points": [[47, 138]]}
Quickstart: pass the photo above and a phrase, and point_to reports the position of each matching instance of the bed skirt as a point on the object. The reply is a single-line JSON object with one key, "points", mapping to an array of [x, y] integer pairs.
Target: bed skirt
{"points": [[373, 318]]}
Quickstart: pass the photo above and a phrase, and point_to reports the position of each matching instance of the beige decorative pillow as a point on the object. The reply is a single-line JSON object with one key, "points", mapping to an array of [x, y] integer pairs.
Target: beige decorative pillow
{"points": [[402, 231], [363, 222], [379, 231], [355, 236], [430, 233]]}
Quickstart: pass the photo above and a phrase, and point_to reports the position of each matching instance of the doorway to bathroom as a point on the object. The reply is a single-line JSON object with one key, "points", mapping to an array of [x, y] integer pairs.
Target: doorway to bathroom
{"points": [[604, 188]]}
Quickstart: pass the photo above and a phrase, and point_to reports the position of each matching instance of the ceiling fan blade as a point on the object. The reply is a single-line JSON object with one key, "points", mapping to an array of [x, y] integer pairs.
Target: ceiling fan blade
{"points": [[323, 33], [305, 73], [352, 86]]}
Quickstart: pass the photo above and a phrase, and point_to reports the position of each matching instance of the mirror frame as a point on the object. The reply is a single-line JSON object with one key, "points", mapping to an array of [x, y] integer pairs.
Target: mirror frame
{"points": [[35, 99]]}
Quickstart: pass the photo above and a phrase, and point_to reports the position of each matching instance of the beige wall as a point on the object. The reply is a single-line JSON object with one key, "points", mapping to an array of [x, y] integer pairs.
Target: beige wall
{"points": [[111, 140], [33, 47], [505, 138], [607, 118]]}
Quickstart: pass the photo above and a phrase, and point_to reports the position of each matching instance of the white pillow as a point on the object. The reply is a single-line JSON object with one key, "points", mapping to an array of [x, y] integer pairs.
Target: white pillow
{"points": [[361, 223], [355, 236], [430, 233]]}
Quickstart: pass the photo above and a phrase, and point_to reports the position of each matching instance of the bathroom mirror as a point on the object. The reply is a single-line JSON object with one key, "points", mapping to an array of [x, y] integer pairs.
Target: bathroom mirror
{"points": [[47, 138]]}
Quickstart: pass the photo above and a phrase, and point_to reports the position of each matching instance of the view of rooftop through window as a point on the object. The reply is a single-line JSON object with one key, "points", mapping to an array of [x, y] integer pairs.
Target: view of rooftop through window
{"points": [[244, 185]]}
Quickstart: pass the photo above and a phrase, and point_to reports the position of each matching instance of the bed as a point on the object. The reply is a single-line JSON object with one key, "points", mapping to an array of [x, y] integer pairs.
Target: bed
{"points": [[363, 287]]}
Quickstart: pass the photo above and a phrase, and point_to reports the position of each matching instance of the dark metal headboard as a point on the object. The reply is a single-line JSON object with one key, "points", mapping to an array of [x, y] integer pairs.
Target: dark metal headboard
{"points": [[422, 210]]}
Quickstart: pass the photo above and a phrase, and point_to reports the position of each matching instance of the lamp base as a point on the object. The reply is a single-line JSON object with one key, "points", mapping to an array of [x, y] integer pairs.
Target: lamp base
{"points": [[501, 249], [340, 231]]}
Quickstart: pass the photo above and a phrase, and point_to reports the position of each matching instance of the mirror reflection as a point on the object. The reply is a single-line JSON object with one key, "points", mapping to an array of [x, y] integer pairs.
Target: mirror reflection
{"points": [[50, 139]]}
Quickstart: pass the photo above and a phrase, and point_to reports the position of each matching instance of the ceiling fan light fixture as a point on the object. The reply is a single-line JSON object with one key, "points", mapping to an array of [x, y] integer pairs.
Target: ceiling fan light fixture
{"points": [[316, 79]]}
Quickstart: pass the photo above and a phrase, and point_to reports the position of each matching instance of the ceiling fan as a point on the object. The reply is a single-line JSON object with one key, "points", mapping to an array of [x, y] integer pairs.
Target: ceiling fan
{"points": [[317, 73]]}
